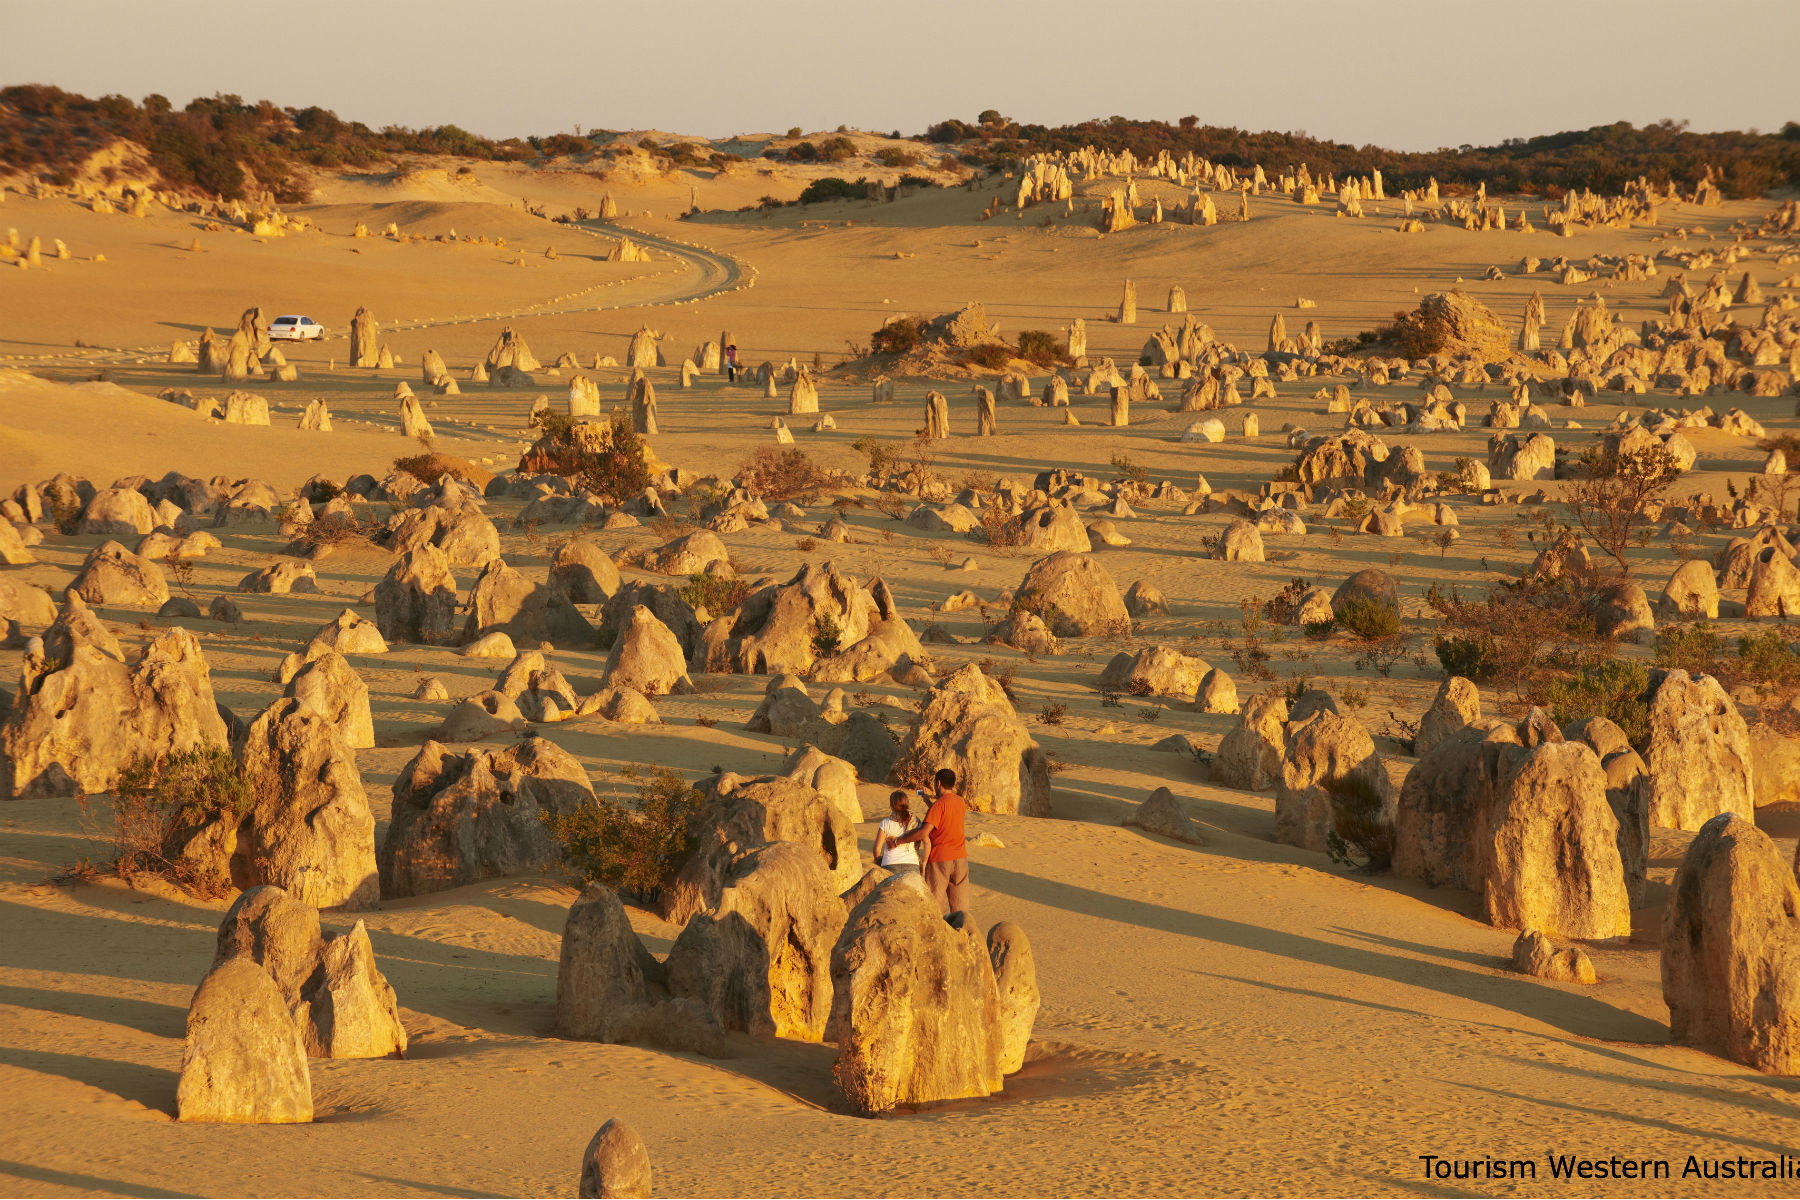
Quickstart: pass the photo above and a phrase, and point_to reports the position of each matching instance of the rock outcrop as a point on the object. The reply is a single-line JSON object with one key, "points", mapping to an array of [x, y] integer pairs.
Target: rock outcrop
{"points": [[310, 832], [1330, 774], [615, 1165], [647, 658], [739, 814], [1554, 865], [759, 959], [1731, 948], [1250, 754], [461, 818], [244, 1062], [416, 600], [81, 715], [915, 1009], [342, 1004], [1698, 755], [1015, 976], [968, 724]]}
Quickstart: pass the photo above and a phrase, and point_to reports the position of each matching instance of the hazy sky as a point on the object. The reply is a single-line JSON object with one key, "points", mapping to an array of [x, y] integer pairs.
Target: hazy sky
{"points": [[1410, 74]]}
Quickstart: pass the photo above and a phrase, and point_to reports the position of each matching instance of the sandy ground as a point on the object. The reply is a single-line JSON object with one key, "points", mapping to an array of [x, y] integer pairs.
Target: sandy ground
{"points": [[1239, 1018]]}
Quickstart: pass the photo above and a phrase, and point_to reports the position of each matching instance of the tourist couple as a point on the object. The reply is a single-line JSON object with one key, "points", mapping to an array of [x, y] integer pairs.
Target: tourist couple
{"points": [[947, 864]]}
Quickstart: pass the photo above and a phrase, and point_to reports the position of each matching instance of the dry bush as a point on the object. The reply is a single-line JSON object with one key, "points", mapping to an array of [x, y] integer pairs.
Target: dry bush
{"points": [[1052, 714], [1416, 334], [1000, 529], [1522, 635], [988, 355], [778, 473], [1610, 499], [1286, 604], [1040, 348]]}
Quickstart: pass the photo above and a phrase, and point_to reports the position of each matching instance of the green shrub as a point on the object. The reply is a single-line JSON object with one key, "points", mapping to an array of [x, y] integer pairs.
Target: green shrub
{"points": [[1130, 472], [1613, 689], [833, 188], [1692, 648], [1475, 659], [615, 467], [1041, 348], [894, 156], [1369, 619], [827, 636], [163, 802], [989, 355], [717, 594], [882, 456], [633, 852]]}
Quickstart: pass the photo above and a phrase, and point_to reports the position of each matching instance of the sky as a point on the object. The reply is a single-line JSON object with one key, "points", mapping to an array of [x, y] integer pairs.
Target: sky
{"points": [[1406, 74]]}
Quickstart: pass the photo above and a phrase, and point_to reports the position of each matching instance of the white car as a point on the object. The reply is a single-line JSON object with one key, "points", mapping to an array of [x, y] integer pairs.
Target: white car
{"points": [[296, 329]]}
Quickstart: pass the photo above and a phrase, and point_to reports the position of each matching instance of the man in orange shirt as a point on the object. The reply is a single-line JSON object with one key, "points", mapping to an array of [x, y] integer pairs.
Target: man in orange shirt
{"points": [[947, 868]]}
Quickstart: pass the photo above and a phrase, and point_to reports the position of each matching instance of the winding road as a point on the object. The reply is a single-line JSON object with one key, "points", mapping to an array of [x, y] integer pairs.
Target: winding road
{"points": [[706, 273]]}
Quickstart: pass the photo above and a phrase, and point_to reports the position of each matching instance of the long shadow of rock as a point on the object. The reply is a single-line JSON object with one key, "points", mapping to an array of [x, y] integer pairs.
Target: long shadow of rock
{"points": [[79, 1183], [1581, 1015], [152, 1087]]}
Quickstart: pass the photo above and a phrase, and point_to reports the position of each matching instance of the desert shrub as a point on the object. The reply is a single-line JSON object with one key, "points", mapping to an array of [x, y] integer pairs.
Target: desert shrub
{"points": [[616, 471], [1522, 635], [990, 355], [1416, 334], [1359, 825], [1040, 347], [837, 149], [896, 337], [1369, 619], [163, 801], [1693, 648], [1613, 689], [883, 456], [1612, 494], [912, 769], [894, 156], [827, 635], [1766, 663], [1032, 601], [1000, 528], [1052, 714], [715, 593], [1788, 444], [429, 468], [777, 473], [635, 852], [1282, 609], [1130, 472], [1474, 658], [832, 188]]}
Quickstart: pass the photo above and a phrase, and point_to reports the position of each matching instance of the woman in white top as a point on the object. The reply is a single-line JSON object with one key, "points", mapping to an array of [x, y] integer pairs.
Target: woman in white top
{"points": [[902, 858]]}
